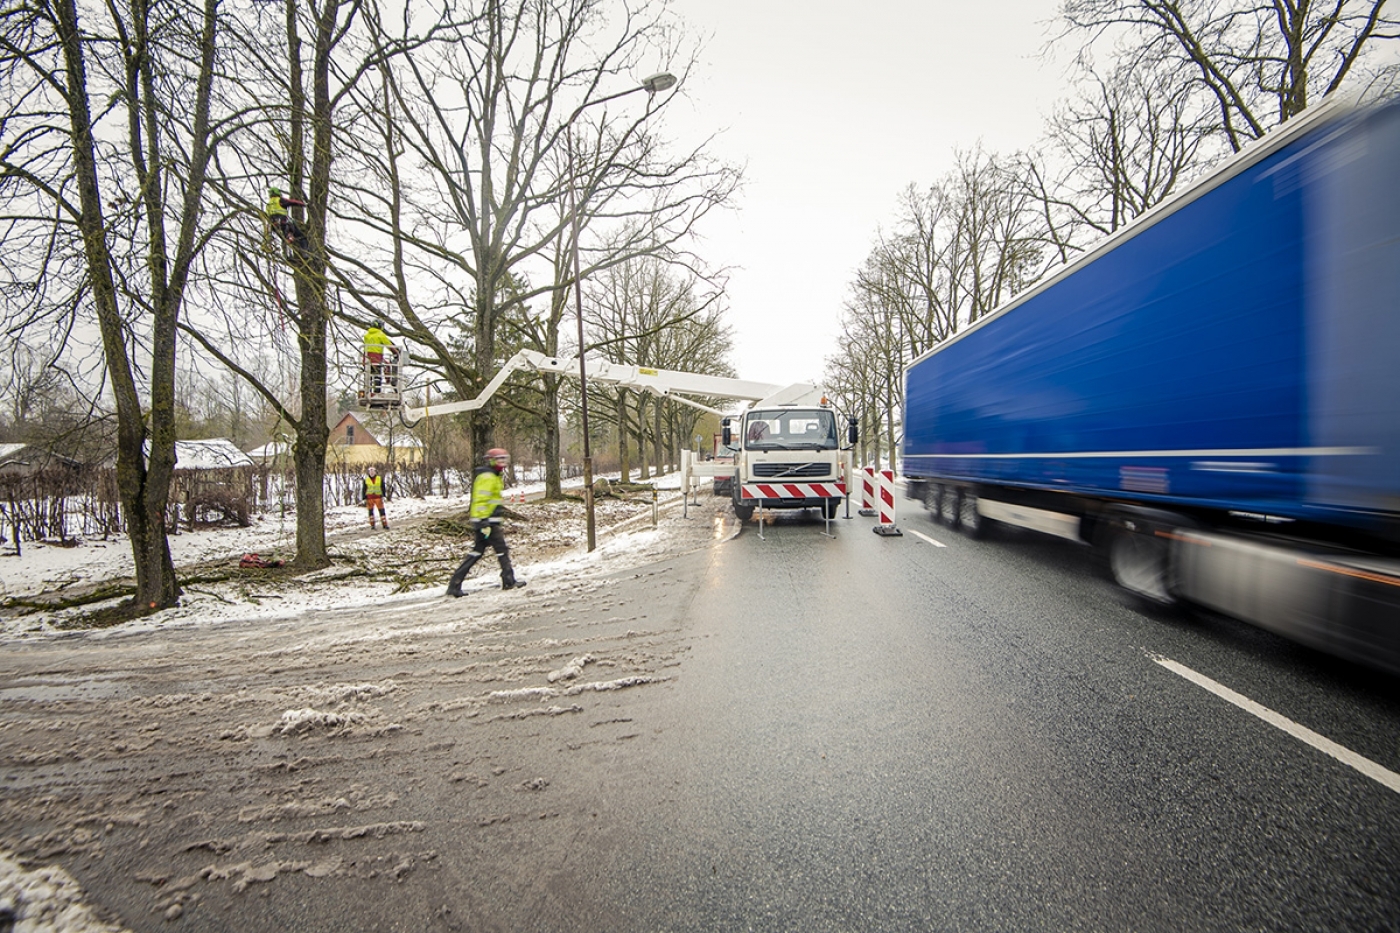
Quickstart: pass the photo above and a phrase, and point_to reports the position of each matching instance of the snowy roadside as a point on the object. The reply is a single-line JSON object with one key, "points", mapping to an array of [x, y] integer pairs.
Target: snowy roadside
{"points": [[379, 568], [329, 677]]}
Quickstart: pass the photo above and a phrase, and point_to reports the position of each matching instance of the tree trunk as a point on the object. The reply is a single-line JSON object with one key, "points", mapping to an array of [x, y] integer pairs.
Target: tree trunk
{"points": [[309, 454], [655, 439], [622, 446], [643, 464], [312, 309], [142, 489], [553, 481]]}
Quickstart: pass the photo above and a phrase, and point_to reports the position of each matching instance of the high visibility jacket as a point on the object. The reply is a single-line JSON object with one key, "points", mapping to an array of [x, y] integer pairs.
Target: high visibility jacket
{"points": [[376, 340], [373, 486], [275, 207], [486, 493]]}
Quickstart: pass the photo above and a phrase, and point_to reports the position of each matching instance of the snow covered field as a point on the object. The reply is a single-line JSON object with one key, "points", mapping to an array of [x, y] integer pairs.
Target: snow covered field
{"points": [[370, 567]]}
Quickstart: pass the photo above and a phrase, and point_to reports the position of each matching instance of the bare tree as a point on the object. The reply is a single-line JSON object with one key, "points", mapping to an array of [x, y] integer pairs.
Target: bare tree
{"points": [[111, 128], [1260, 64], [1124, 145], [955, 252], [310, 105], [512, 125], [646, 313]]}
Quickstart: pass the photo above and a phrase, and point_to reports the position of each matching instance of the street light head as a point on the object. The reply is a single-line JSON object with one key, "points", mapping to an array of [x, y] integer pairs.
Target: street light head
{"points": [[659, 82]]}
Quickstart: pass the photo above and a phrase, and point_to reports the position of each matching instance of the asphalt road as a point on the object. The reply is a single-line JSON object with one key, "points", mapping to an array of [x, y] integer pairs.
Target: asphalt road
{"points": [[882, 734], [791, 733]]}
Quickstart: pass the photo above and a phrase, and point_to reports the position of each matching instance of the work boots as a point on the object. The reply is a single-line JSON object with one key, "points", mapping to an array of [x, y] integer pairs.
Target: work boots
{"points": [[454, 586], [508, 581]]}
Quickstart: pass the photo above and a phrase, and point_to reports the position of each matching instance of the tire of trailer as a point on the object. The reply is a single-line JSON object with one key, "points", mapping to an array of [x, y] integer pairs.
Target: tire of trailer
{"points": [[970, 521], [1141, 564], [948, 506], [829, 507], [930, 497]]}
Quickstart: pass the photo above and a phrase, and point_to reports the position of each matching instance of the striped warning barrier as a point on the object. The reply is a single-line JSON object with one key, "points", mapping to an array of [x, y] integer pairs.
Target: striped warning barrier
{"points": [[884, 500], [868, 493]]}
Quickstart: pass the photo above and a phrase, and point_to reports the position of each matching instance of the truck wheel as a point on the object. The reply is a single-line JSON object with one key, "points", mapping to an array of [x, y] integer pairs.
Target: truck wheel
{"points": [[971, 521], [1141, 564], [948, 506], [931, 497], [743, 511]]}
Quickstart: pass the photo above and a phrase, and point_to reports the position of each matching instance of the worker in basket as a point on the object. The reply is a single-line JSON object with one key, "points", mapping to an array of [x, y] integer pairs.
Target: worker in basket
{"points": [[281, 221], [486, 521], [382, 358]]}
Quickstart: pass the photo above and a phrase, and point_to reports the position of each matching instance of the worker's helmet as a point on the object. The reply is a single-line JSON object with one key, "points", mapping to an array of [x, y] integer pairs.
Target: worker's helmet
{"points": [[377, 324], [496, 453], [370, 471], [275, 191]]}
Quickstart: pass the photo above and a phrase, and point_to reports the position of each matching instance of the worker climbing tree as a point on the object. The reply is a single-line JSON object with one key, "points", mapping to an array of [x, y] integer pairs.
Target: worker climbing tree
{"points": [[283, 224]]}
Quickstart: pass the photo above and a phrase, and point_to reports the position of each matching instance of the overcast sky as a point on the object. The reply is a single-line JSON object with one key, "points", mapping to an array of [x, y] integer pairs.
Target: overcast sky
{"points": [[833, 110]]}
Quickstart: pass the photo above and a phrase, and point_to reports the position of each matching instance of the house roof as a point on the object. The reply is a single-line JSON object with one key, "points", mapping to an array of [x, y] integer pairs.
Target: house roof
{"points": [[24, 455], [338, 431], [216, 453], [269, 450]]}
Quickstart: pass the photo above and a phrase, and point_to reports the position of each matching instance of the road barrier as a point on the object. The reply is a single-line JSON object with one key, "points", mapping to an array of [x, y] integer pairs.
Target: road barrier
{"points": [[878, 485]]}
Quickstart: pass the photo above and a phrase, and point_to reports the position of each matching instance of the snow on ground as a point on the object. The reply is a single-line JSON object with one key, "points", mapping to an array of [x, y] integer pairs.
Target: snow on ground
{"points": [[45, 900], [388, 570], [382, 568]]}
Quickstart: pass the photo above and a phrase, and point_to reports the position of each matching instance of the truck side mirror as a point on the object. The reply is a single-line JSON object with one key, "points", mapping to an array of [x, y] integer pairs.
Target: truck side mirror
{"points": [[852, 431], [727, 438]]}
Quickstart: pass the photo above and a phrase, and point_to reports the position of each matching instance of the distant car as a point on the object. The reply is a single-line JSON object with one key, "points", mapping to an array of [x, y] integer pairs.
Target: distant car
{"points": [[724, 485]]}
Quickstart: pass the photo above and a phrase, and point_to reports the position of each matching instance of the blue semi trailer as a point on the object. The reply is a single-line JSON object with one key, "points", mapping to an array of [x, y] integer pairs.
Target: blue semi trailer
{"points": [[1212, 395]]}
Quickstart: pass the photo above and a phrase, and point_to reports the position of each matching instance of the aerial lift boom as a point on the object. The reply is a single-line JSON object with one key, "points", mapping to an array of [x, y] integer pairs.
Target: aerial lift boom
{"points": [[794, 459], [665, 383]]}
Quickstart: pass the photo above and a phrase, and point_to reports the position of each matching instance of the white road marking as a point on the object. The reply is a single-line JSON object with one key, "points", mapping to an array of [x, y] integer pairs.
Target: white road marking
{"points": [[927, 538], [1320, 742]]}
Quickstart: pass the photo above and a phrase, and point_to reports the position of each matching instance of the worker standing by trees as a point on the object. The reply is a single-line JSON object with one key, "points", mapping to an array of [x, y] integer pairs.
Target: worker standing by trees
{"points": [[372, 495], [486, 504]]}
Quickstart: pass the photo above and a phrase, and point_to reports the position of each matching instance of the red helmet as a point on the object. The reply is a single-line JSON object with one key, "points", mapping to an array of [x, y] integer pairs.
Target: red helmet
{"points": [[496, 453]]}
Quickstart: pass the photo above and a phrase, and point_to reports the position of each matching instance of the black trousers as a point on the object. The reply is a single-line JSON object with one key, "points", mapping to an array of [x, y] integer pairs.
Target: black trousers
{"points": [[292, 233], [488, 534]]}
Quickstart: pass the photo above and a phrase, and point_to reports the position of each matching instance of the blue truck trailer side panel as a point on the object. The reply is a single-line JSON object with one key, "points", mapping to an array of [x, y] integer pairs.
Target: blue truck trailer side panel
{"points": [[1353, 204], [1238, 351]]}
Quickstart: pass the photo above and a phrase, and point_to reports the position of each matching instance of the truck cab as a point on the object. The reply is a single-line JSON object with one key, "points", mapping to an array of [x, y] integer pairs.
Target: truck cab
{"points": [[787, 457]]}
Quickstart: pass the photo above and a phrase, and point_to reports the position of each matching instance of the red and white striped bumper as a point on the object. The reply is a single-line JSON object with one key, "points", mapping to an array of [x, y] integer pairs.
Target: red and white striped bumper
{"points": [[792, 491]]}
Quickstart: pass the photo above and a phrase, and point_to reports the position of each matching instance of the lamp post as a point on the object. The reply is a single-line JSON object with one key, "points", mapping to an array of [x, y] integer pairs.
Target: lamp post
{"points": [[653, 84]]}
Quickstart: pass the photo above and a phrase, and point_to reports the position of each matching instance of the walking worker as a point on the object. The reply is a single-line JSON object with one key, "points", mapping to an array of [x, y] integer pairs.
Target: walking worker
{"points": [[486, 520], [372, 496], [282, 222], [378, 349]]}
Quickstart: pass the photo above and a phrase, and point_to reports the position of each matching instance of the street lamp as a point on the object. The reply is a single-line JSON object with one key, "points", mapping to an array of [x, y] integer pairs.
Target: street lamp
{"points": [[652, 85]]}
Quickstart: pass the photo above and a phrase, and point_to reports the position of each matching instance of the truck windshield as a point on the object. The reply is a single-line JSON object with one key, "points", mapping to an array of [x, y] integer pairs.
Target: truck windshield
{"points": [[790, 429]]}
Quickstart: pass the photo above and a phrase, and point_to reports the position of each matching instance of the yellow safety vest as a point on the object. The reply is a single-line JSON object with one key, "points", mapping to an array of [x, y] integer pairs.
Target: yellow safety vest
{"points": [[486, 493], [376, 340]]}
